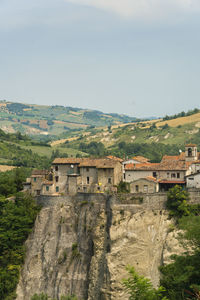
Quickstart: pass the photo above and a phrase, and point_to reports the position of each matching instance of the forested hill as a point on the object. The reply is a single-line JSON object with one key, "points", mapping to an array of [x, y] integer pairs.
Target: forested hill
{"points": [[53, 120]]}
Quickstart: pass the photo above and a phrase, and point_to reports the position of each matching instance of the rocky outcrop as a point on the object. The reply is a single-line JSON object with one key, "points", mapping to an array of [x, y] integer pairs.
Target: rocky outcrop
{"points": [[83, 246]]}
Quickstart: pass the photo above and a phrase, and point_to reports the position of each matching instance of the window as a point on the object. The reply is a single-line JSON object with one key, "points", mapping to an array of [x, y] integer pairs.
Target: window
{"points": [[84, 189], [189, 152], [154, 174], [191, 178], [57, 189], [145, 189], [124, 176], [137, 188], [57, 178], [173, 175], [38, 192], [56, 168], [47, 188], [178, 175], [88, 180], [167, 175], [34, 179], [109, 180], [87, 169]]}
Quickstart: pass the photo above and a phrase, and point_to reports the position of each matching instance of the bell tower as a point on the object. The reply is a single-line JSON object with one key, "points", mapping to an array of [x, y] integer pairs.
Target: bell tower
{"points": [[191, 152]]}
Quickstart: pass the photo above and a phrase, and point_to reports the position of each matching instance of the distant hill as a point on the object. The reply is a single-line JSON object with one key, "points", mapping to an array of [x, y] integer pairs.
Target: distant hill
{"points": [[53, 120], [78, 132], [152, 138]]}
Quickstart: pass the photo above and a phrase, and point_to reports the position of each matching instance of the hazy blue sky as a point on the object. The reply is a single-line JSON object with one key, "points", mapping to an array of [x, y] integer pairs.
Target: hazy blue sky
{"points": [[139, 57]]}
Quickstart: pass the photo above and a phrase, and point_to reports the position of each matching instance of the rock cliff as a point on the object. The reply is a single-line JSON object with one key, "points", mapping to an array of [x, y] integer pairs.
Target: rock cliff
{"points": [[81, 246]]}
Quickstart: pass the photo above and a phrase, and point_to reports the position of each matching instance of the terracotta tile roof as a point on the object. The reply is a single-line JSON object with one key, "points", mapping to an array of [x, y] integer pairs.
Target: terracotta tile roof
{"points": [[151, 178], [89, 162], [114, 158], [190, 145], [144, 166], [164, 165], [173, 165], [172, 181], [68, 160], [141, 159], [106, 164], [99, 163], [169, 157], [39, 172]]}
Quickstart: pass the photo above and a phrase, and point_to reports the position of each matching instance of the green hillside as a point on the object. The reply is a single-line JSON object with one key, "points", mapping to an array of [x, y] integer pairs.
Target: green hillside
{"points": [[45, 121], [149, 139]]}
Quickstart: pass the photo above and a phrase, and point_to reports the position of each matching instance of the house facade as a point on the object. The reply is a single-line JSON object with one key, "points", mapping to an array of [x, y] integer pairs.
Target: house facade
{"points": [[170, 171], [145, 185], [193, 180], [73, 175]]}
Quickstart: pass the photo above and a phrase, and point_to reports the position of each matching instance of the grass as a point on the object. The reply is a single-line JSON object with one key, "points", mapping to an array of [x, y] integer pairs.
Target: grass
{"points": [[47, 151], [181, 121]]}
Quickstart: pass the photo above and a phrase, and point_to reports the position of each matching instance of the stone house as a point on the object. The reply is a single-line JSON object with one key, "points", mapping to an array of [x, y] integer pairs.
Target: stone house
{"points": [[134, 160], [145, 185], [170, 171], [193, 180], [86, 174], [36, 181], [72, 175]]}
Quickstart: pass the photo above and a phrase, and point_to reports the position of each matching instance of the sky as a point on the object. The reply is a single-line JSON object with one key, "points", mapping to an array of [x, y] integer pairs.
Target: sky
{"points": [[135, 57]]}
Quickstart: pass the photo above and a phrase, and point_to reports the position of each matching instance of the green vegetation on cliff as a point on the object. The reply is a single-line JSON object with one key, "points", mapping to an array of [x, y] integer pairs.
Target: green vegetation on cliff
{"points": [[141, 288], [181, 278], [16, 222]]}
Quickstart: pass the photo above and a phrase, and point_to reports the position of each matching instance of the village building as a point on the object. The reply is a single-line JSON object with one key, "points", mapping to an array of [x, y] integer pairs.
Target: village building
{"points": [[99, 175], [37, 181], [170, 171], [193, 180], [72, 175], [145, 185]]}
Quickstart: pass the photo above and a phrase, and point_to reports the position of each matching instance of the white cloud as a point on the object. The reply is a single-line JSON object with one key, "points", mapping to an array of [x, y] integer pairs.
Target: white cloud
{"points": [[143, 8]]}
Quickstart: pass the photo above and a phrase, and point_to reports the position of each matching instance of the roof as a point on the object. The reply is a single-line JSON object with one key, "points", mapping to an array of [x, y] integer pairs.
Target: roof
{"points": [[89, 162], [193, 174], [196, 162], [99, 163], [39, 172], [144, 166], [169, 157], [148, 178], [141, 159], [165, 165], [151, 178], [172, 181], [114, 158], [190, 145], [68, 160]]}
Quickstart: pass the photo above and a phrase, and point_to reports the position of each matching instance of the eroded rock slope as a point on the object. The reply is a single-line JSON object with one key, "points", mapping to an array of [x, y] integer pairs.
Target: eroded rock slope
{"points": [[81, 246]]}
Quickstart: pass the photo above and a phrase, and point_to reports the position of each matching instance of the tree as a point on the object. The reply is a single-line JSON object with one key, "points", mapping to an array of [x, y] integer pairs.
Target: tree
{"points": [[140, 288], [181, 278], [177, 201]]}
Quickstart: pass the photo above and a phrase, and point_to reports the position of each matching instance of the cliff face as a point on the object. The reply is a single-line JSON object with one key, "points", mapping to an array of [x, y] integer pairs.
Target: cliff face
{"points": [[82, 247]]}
